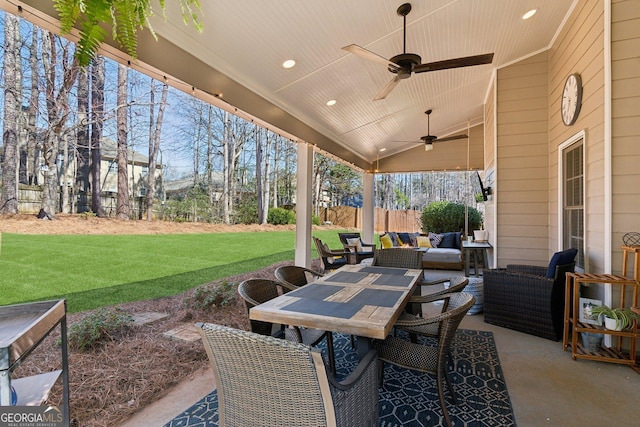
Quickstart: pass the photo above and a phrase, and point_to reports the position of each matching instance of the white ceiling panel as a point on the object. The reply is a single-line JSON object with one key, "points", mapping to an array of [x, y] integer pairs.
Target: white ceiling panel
{"points": [[249, 39]]}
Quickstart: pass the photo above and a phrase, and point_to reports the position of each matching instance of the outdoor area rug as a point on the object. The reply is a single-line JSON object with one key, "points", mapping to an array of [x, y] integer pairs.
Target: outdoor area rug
{"points": [[410, 398]]}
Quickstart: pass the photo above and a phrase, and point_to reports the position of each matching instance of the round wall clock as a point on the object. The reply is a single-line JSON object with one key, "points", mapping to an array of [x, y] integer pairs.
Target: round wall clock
{"points": [[571, 99]]}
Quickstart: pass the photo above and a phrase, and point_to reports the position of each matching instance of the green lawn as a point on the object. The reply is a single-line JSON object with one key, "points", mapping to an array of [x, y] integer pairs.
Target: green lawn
{"points": [[91, 271]]}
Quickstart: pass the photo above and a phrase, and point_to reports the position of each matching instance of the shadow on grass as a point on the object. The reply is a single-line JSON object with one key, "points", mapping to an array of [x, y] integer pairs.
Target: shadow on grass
{"points": [[165, 286]]}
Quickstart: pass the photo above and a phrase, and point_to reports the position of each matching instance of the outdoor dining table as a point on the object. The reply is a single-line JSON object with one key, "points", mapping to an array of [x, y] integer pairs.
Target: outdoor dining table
{"points": [[360, 300]]}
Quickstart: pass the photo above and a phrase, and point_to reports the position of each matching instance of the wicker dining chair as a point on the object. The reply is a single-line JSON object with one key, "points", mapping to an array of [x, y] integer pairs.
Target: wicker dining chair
{"points": [[295, 275], [258, 291], [412, 323], [398, 258], [253, 390], [429, 358]]}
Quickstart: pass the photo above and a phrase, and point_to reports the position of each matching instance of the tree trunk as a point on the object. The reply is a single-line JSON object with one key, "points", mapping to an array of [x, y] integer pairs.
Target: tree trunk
{"points": [[226, 153], [122, 203], [210, 184], [33, 148], [83, 152], [57, 111], [154, 146], [97, 113], [9, 199]]}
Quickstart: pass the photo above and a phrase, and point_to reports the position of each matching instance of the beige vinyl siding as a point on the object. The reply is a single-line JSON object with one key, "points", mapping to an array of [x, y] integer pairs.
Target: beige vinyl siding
{"points": [[579, 48], [625, 123], [521, 206]]}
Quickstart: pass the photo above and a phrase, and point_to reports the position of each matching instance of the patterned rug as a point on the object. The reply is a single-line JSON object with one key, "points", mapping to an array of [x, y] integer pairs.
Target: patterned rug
{"points": [[410, 398]]}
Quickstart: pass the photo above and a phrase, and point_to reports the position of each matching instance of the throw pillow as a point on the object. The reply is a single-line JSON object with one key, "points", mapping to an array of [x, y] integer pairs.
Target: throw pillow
{"points": [[448, 241], [385, 241], [404, 239], [435, 239], [413, 237], [423, 242], [394, 238], [355, 242], [560, 258]]}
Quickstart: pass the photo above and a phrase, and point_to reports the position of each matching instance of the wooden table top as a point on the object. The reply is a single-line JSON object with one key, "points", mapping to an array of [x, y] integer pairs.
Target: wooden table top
{"points": [[355, 299]]}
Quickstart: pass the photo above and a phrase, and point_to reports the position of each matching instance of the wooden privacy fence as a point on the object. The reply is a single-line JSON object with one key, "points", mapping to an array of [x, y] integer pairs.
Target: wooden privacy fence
{"points": [[384, 220]]}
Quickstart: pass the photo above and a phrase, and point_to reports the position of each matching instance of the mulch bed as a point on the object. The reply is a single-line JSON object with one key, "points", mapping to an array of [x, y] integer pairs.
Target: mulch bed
{"points": [[109, 384]]}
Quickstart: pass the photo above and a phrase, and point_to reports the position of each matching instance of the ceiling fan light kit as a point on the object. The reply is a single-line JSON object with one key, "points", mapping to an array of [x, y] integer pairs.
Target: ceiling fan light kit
{"points": [[404, 64]]}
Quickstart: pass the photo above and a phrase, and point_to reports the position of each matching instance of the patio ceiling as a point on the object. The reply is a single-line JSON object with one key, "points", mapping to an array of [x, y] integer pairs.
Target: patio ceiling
{"points": [[244, 43]]}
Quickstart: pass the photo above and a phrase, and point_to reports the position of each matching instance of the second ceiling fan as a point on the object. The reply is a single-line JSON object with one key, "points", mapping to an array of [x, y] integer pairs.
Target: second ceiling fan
{"points": [[404, 64], [429, 139]]}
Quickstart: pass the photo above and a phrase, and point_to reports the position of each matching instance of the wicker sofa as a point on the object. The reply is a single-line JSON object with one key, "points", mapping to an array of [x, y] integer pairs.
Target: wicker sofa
{"points": [[441, 251]]}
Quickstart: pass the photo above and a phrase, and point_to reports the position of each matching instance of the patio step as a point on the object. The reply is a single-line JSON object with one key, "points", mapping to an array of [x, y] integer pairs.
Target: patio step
{"points": [[140, 319], [186, 332]]}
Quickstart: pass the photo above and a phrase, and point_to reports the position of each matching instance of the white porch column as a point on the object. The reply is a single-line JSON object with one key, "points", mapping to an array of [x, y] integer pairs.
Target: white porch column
{"points": [[367, 207], [303, 204]]}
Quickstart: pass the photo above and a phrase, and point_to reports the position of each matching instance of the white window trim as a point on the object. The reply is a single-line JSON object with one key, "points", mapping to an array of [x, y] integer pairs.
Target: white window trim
{"points": [[582, 135]]}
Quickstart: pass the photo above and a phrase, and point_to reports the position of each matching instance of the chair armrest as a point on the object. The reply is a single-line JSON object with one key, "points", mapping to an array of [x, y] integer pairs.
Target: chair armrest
{"points": [[370, 359], [535, 270], [334, 252], [356, 398]]}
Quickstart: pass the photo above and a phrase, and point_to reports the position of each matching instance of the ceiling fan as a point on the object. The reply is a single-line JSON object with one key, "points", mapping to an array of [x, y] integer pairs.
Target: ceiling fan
{"points": [[402, 65], [429, 139]]}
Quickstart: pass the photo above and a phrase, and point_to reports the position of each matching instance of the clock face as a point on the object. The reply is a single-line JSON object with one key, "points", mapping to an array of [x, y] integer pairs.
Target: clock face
{"points": [[571, 99]]}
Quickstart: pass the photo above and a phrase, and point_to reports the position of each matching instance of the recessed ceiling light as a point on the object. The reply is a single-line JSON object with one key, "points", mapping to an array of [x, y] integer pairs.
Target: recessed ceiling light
{"points": [[529, 14], [289, 63], [331, 102], [383, 149]]}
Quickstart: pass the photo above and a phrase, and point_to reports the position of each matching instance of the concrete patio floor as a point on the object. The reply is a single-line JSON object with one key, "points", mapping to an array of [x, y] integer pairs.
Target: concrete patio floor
{"points": [[546, 386]]}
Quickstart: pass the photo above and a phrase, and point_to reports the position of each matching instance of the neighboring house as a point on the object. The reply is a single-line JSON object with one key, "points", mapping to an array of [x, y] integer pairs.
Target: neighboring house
{"points": [[178, 188], [137, 171]]}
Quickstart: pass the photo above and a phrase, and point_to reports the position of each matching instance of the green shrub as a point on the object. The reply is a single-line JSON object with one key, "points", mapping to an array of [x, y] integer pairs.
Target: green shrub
{"points": [[212, 295], [87, 215], [315, 220], [443, 216], [281, 216], [98, 327]]}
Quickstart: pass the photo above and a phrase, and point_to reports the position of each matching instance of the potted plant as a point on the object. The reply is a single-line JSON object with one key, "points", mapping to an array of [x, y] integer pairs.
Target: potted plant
{"points": [[615, 319]]}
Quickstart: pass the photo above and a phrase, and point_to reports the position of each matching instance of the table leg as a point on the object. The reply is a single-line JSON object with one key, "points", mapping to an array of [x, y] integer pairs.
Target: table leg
{"points": [[330, 352], [467, 256], [364, 345]]}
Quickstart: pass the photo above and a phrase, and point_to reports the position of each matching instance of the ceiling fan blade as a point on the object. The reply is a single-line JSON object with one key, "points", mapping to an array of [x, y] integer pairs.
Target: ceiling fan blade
{"points": [[451, 138], [367, 54], [387, 89], [466, 61]]}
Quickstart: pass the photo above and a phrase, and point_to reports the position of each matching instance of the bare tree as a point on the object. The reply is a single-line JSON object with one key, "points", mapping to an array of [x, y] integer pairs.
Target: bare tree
{"points": [[97, 114], [266, 186], [122, 203], [155, 130], [262, 218], [57, 99], [9, 200]]}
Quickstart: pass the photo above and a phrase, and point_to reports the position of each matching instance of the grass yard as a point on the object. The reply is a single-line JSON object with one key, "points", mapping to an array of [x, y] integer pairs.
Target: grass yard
{"points": [[92, 271]]}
